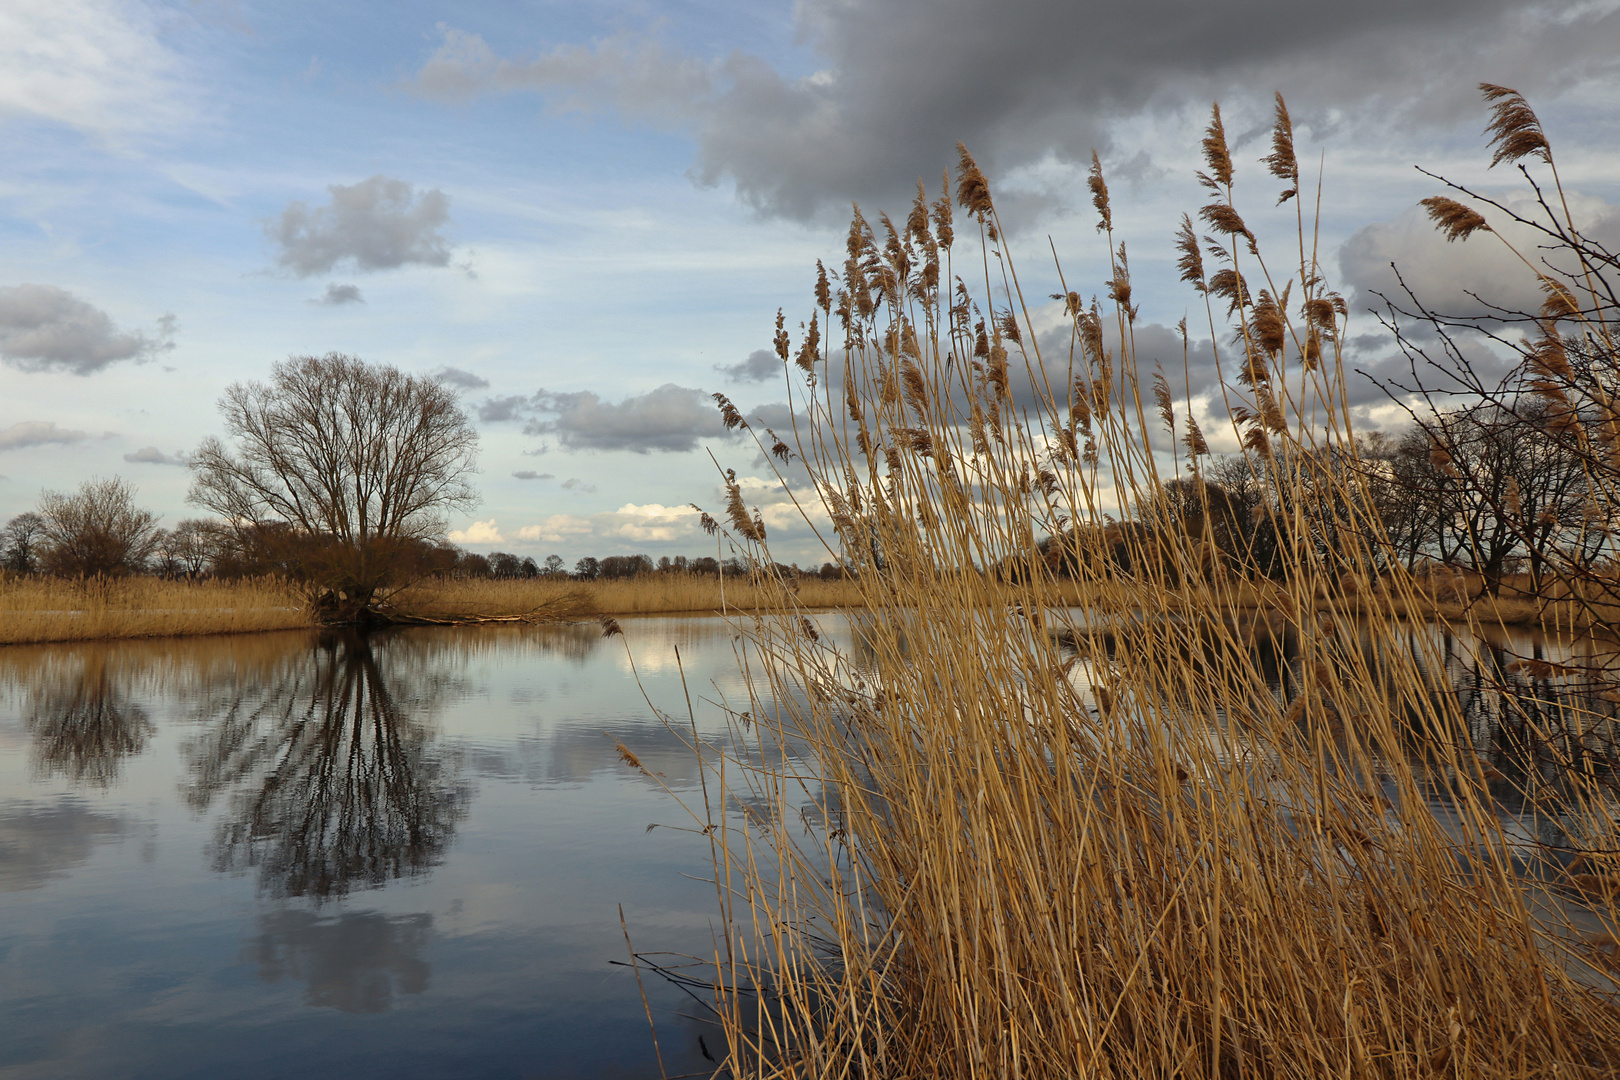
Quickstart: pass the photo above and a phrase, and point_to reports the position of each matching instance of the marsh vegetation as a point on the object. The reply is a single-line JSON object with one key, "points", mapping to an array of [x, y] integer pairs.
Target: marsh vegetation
{"points": [[1185, 829]]}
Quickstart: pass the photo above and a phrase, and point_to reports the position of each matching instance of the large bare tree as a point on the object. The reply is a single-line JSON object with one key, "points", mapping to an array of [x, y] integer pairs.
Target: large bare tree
{"points": [[350, 467]]}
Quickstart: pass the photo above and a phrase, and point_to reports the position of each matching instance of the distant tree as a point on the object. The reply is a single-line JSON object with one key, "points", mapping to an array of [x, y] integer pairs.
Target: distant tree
{"points": [[96, 530], [193, 544], [554, 565], [707, 564], [20, 542], [587, 569], [352, 465], [528, 567], [625, 566], [505, 564], [472, 564]]}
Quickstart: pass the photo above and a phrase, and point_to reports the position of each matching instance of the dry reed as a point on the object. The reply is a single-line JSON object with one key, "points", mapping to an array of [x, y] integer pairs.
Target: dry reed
{"points": [[1014, 839], [35, 609], [644, 595]]}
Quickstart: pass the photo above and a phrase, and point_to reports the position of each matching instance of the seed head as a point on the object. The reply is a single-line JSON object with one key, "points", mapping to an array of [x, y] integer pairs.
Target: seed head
{"points": [[1514, 129], [1454, 219]]}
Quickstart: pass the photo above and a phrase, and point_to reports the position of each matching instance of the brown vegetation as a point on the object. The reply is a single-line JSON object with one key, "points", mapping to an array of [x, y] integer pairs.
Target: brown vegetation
{"points": [[1024, 840]]}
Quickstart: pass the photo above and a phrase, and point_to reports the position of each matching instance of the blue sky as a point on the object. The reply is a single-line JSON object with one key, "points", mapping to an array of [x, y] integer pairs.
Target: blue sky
{"points": [[583, 213]]}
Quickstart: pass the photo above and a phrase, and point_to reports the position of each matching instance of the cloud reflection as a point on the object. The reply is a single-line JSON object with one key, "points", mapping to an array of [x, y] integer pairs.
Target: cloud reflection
{"points": [[356, 962], [38, 843]]}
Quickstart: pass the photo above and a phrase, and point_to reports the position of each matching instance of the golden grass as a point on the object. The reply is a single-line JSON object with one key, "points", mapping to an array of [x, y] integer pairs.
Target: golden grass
{"points": [[1023, 839], [646, 595], [34, 609]]}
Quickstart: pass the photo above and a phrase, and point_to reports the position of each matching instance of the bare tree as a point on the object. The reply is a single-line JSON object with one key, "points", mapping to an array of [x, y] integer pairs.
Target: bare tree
{"points": [[95, 530], [21, 537], [1563, 395], [352, 464]]}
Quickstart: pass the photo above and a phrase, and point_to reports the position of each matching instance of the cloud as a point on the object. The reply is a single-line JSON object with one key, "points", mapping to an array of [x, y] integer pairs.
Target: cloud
{"points": [[98, 66], [1443, 275], [629, 525], [670, 419], [530, 474], [495, 410], [886, 104], [479, 532], [461, 380], [338, 295], [151, 455], [377, 224], [37, 433], [45, 328], [761, 364], [574, 483]]}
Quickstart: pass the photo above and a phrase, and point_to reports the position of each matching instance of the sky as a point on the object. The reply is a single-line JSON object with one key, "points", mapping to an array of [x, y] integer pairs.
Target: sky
{"points": [[585, 216]]}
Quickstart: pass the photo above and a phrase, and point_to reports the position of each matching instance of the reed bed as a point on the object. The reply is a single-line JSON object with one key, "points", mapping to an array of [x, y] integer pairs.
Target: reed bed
{"points": [[645, 595], [1010, 838], [36, 609]]}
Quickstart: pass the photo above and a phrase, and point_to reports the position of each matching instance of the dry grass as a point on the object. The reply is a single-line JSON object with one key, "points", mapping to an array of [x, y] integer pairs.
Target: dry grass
{"points": [[1014, 839], [648, 595], [36, 609]]}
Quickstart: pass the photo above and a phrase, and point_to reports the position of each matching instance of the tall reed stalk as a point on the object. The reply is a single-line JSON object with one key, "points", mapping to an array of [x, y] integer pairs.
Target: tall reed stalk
{"points": [[1013, 838]]}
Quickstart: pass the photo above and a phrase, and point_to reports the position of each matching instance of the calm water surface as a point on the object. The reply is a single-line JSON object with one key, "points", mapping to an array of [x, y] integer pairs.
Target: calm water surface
{"points": [[279, 855]]}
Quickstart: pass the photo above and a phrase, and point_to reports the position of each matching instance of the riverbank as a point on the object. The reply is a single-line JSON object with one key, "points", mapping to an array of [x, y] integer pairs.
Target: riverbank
{"points": [[36, 610]]}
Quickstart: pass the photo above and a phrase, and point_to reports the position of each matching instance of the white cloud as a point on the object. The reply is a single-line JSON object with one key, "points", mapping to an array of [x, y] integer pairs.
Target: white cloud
{"points": [[629, 525], [37, 433], [99, 66], [479, 532], [377, 224], [43, 327], [1443, 274]]}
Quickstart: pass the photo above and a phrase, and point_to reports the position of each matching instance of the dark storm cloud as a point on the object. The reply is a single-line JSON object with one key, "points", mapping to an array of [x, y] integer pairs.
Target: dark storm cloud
{"points": [[377, 224], [1024, 80], [337, 295], [37, 433], [44, 328], [761, 364]]}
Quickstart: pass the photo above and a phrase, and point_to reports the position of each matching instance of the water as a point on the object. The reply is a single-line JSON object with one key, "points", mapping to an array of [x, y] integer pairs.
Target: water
{"points": [[276, 855], [283, 854]]}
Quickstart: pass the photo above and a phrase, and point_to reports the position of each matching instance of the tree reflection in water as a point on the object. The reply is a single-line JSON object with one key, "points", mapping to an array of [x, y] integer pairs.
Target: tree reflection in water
{"points": [[83, 721], [332, 785]]}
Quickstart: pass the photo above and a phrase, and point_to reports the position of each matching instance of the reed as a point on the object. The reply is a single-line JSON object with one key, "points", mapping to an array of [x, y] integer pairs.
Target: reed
{"points": [[43, 609], [1008, 837], [645, 595]]}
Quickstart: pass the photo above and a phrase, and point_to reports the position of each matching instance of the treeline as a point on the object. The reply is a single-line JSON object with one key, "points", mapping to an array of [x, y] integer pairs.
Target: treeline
{"points": [[1498, 489], [99, 530]]}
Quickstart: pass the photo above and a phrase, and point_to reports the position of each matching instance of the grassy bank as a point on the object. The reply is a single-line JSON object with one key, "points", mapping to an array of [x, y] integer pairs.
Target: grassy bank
{"points": [[38, 609]]}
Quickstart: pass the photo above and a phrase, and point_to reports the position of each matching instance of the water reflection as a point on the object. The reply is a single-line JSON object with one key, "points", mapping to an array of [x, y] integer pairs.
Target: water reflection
{"points": [[83, 720], [42, 842], [332, 782], [355, 962]]}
